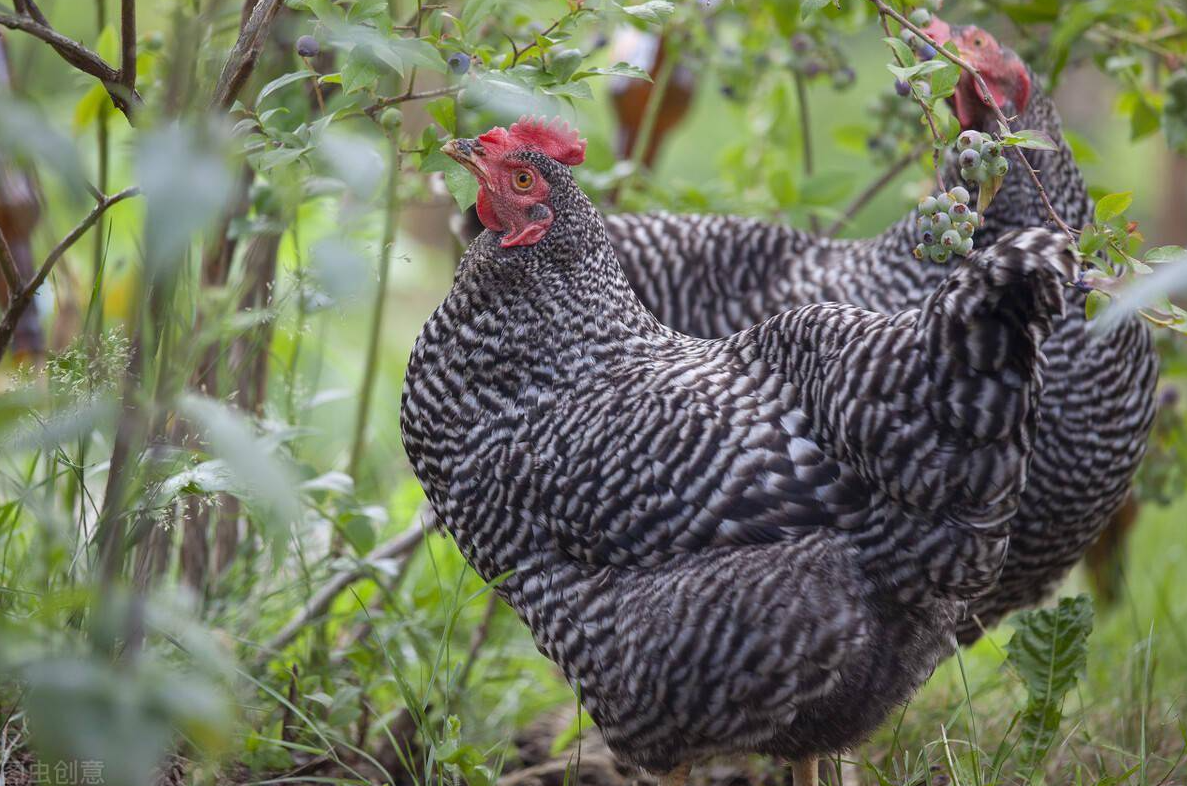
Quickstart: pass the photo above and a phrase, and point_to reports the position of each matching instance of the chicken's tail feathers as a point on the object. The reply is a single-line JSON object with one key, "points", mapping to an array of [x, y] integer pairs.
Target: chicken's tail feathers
{"points": [[1005, 300]]}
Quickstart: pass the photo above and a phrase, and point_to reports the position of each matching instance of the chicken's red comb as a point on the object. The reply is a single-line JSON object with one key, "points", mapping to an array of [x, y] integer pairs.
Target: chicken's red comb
{"points": [[554, 139]]}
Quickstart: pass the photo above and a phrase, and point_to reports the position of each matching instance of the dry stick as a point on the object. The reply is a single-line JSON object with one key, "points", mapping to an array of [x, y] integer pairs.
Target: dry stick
{"points": [[801, 95], [242, 60], [986, 96], [8, 263], [319, 604], [384, 103], [391, 208], [872, 190], [21, 299], [76, 55], [128, 45]]}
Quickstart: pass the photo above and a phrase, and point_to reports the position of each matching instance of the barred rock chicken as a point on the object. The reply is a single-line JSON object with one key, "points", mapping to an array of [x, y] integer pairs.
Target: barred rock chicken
{"points": [[760, 543], [712, 275]]}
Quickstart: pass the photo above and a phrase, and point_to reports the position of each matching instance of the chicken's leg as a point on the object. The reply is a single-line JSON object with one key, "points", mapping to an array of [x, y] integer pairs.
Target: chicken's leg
{"points": [[805, 772]]}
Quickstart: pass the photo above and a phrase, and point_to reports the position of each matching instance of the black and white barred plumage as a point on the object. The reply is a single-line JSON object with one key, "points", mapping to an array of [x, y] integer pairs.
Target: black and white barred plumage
{"points": [[759, 543], [713, 275]]}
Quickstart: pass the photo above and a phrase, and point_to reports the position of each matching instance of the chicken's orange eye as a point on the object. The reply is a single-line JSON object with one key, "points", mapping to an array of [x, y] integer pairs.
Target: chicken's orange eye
{"points": [[523, 180]]}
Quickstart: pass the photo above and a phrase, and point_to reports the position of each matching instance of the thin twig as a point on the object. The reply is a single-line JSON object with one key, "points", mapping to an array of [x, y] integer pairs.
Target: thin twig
{"points": [[128, 45], [22, 298], [391, 208], [242, 60], [384, 103], [801, 95], [873, 189], [986, 96], [76, 55], [927, 113], [12, 275]]}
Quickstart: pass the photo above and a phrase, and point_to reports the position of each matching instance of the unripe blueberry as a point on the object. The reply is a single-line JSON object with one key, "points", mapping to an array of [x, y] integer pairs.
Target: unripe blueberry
{"points": [[965, 228], [921, 17], [991, 149], [965, 247], [1000, 166], [940, 254], [459, 62], [960, 194], [959, 212], [812, 68], [968, 139], [942, 222], [391, 118], [307, 46], [907, 37], [950, 239], [928, 205], [945, 202], [844, 77], [902, 88], [970, 158], [800, 43], [924, 224], [968, 174], [973, 218]]}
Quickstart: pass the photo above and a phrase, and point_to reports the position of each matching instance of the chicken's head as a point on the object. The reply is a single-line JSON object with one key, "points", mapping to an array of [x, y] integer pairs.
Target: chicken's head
{"points": [[1004, 73], [513, 168]]}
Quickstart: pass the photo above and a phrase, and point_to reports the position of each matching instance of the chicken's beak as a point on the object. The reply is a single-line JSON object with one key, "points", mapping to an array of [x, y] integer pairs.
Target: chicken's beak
{"points": [[469, 153]]}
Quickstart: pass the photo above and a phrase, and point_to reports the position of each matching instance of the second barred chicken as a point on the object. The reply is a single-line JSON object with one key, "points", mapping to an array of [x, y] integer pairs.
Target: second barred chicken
{"points": [[712, 275]]}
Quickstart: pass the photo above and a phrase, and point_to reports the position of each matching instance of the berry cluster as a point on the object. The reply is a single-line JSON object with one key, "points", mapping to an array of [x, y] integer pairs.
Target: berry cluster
{"points": [[981, 158], [813, 58], [947, 224]]}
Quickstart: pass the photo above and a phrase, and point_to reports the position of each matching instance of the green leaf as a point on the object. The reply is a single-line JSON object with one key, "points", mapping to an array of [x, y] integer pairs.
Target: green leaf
{"points": [[1111, 206], [282, 81], [1092, 240], [461, 185], [900, 49], [943, 82], [571, 90], [360, 532], [418, 53], [1164, 254], [618, 69], [652, 12], [1048, 651], [94, 101], [1029, 139], [360, 71], [809, 7], [444, 111], [1095, 302], [475, 12]]}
